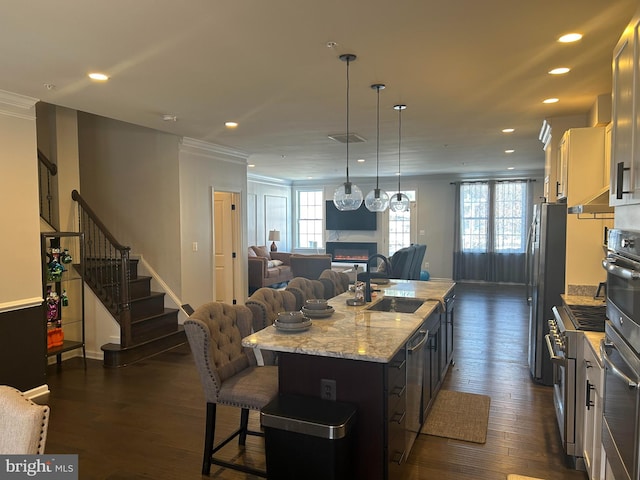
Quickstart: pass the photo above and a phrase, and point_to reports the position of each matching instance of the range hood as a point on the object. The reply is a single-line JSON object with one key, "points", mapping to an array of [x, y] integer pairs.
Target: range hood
{"points": [[599, 203]]}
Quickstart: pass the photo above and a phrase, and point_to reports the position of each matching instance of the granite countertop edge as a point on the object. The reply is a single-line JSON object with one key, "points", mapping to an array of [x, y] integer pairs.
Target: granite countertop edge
{"points": [[356, 333]]}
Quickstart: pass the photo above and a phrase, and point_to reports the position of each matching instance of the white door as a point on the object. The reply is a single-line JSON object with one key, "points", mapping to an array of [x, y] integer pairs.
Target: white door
{"points": [[224, 241]]}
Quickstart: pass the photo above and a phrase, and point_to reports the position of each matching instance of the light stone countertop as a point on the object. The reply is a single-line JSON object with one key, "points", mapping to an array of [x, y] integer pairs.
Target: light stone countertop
{"points": [[594, 340], [356, 333], [583, 300]]}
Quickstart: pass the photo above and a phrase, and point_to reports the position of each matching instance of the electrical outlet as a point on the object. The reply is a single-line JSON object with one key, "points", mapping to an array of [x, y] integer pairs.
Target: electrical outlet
{"points": [[327, 389], [426, 265]]}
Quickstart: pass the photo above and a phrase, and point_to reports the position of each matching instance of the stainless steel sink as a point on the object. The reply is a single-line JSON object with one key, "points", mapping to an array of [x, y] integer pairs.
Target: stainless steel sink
{"points": [[397, 304]]}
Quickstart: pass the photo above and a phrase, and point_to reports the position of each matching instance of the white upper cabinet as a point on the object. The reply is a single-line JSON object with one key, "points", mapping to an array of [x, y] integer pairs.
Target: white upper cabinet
{"points": [[580, 165], [625, 141]]}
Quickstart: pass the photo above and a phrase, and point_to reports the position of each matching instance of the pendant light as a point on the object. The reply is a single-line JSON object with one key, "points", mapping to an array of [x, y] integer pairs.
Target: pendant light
{"points": [[377, 200], [399, 201], [347, 196]]}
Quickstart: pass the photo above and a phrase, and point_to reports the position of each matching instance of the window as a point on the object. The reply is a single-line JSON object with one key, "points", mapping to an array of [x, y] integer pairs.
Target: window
{"points": [[510, 217], [310, 218], [400, 226], [474, 199], [499, 208]]}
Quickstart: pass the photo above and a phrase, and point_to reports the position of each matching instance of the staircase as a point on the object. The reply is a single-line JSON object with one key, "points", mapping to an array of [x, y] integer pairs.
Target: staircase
{"points": [[154, 328], [146, 326]]}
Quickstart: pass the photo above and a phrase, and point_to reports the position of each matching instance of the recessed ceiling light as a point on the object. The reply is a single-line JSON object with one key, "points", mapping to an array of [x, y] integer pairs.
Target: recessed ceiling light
{"points": [[361, 160], [230, 124], [570, 37], [100, 77], [509, 151], [551, 100], [251, 165], [559, 71], [508, 130], [510, 168]]}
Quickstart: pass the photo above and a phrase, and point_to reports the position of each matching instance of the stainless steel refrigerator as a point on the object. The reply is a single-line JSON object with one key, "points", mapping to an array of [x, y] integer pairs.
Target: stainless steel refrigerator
{"points": [[546, 258]]}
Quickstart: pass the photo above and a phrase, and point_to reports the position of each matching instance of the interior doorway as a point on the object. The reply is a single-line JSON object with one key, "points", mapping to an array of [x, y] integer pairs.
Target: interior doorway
{"points": [[226, 235]]}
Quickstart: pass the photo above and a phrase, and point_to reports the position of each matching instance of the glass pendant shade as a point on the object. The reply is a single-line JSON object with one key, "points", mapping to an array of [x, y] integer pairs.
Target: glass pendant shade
{"points": [[376, 200], [399, 202], [347, 197]]}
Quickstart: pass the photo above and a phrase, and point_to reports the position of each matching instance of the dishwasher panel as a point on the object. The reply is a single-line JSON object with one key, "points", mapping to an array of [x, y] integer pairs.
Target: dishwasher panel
{"points": [[415, 376]]}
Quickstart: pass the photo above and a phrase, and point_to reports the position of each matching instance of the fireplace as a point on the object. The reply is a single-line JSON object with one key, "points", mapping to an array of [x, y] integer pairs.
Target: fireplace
{"points": [[350, 252]]}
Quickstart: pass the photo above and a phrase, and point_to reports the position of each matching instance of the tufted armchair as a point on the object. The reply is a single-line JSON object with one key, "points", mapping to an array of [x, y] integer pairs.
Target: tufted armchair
{"points": [[23, 424], [265, 304], [334, 283], [303, 289], [228, 373]]}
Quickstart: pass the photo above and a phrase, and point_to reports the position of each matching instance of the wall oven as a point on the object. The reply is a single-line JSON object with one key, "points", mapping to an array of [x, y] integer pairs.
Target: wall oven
{"points": [[620, 351], [620, 415]]}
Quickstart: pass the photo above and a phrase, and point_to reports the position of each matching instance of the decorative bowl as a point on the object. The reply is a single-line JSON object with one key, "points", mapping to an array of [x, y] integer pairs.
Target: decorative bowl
{"points": [[316, 304], [291, 317]]}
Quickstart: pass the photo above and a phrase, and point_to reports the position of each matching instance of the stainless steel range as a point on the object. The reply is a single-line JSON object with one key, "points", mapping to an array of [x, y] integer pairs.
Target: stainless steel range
{"points": [[621, 355], [564, 343]]}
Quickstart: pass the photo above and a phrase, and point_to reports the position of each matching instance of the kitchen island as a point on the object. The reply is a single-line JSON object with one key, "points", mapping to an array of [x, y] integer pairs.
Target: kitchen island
{"points": [[363, 353]]}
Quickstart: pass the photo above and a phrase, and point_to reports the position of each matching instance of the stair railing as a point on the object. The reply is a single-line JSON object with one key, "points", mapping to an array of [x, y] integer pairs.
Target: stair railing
{"points": [[107, 267], [47, 187]]}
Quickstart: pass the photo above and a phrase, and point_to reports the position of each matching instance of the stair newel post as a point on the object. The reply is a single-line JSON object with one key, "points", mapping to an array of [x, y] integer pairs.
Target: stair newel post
{"points": [[125, 307]]}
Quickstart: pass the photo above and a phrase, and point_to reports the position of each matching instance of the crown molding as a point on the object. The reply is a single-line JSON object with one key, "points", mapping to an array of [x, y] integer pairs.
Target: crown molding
{"points": [[16, 105], [267, 180], [199, 147]]}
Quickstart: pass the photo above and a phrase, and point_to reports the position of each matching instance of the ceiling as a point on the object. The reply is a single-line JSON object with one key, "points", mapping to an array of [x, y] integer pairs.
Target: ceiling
{"points": [[465, 69]]}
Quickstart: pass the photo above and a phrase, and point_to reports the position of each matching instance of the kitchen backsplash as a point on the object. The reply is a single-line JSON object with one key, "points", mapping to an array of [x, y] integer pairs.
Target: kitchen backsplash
{"points": [[582, 290]]}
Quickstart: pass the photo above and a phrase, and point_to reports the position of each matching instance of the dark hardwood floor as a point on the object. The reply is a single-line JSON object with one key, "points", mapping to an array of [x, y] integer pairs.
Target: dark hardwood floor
{"points": [[146, 421]]}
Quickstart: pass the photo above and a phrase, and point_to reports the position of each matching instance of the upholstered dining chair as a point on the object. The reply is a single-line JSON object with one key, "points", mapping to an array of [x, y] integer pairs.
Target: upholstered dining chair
{"points": [[305, 289], [228, 373], [265, 304], [23, 423], [334, 283]]}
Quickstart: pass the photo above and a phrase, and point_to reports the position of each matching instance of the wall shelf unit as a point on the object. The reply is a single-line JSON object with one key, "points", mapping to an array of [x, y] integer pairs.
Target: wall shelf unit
{"points": [[63, 263]]}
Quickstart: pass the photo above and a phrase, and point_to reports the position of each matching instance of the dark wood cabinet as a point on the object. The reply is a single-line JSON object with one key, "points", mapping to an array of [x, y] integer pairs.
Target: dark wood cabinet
{"points": [[378, 390]]}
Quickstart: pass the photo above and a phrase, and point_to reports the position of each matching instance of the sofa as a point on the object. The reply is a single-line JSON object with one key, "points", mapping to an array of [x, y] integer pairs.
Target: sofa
{"points": [[309, 266], [267, 268]]}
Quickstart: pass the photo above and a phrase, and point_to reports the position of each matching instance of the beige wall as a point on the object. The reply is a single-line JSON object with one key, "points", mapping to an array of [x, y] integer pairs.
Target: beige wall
{"points": [[129, 176], [20, 239], [205, 168]]}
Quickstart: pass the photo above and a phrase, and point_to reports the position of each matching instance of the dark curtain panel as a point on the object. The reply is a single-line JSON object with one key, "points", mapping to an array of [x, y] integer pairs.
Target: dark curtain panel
{"points": [[489, 266]]}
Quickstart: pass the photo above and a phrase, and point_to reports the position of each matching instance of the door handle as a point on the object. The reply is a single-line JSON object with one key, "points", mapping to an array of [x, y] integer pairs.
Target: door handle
{"points": [[588, 403], [554, 358], [620, 169], [607, 362]]}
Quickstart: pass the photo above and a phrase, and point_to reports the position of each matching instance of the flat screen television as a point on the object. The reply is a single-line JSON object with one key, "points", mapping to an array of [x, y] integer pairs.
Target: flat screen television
{"points": [[361, 219]]}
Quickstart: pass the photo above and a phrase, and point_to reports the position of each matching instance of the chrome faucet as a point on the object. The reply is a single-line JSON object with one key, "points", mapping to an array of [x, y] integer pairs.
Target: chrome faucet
{"points": [[387, 267]]}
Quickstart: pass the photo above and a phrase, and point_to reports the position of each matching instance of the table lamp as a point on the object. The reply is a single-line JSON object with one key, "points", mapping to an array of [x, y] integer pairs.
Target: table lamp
{"points": [[274, 236]]}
